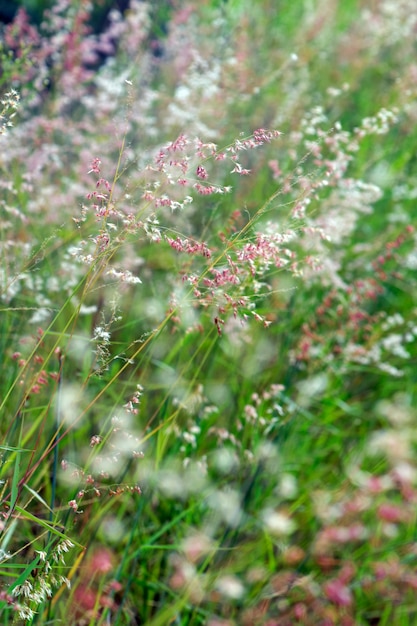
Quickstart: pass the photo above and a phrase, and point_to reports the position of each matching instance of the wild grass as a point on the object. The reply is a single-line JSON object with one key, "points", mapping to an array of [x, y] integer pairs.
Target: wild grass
{"points": [[208, 315]]}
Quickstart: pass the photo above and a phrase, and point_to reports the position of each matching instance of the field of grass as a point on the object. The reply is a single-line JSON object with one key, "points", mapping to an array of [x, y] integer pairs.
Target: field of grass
{"points": [[208, 314]]}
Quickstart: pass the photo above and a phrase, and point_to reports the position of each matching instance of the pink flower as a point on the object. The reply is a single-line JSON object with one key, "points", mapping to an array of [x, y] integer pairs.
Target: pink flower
{"points": [[390, 513], [300, 611], [95, 166], [102, 561], [201, 172], [338, 593]]}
